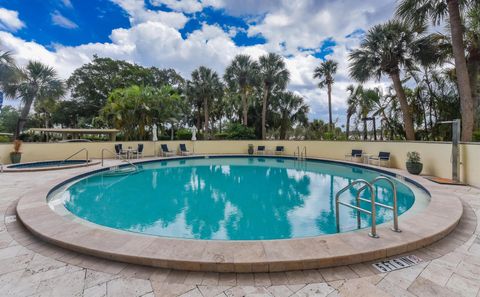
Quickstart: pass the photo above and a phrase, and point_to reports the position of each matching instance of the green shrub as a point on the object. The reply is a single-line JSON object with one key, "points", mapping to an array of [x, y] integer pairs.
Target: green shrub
{"points": [[413, 157], [476, 135], [237, 131], [184, 134], [221, 136], [328, 136], [4, 138]]}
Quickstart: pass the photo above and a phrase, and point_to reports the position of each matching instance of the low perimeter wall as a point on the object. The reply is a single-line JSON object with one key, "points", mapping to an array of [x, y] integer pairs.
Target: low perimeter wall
{"points": [[436, 156]]}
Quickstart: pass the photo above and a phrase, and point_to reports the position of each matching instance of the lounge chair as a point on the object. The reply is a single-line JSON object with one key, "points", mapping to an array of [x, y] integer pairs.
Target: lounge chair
{"points": [[261, 150], [355, 155], [183, 150], [279, 150], [119, 152], [139, 151], [382, 157], [166, 152]]}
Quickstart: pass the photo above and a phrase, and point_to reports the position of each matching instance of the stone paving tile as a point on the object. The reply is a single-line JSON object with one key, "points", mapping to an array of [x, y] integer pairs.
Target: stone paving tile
{"points": [[336, 273], [99, 290], [94, 278], [194, 278], [72, 284], [262, 279], [241, 291], [280, 291], [463, 286], [319, 289], [245, 279], [192, 293], [212, 291], [128, 287], [170, 290], [391, 288], [424, 288], [227, 279]]}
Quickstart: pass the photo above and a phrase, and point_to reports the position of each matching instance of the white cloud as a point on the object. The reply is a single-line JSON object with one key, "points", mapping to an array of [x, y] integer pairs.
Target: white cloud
{"points": [[59, 20], [154, 40], [9, 20], [138, 14], [67, 3]]}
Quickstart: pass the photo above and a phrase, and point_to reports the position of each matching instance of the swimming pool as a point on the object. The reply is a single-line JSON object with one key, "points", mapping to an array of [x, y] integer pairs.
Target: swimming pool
{"points": [[56, 163], [228, 198]]}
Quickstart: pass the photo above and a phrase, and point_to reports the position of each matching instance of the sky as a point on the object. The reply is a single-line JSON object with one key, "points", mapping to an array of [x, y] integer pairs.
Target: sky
{"points": [[187, 34]]}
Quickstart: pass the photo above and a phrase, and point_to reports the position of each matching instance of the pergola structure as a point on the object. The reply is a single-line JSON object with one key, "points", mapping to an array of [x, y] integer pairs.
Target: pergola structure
{"points": [[76, 133]]}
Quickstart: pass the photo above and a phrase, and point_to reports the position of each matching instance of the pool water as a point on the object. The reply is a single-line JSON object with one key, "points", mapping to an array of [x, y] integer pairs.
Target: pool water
{"points": [[228, 198], [48, 164]]}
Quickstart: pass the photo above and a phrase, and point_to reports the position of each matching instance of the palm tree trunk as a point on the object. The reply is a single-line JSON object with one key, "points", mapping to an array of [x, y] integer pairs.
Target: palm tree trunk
{"points": [[474, 72], [347, 132], [264, 111], [330, 122], [23, 117], [205, 110], [245, 107], [466, 102], [402, 99]]}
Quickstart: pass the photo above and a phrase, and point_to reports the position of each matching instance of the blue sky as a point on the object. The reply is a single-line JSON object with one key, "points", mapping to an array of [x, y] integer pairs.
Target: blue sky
{"points": [[189, 33]]}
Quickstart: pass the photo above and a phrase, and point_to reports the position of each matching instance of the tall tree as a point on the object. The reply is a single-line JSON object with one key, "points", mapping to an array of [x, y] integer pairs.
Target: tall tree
{"points": [[206, 86], [35, 82], [418, 12], [241, 75], [385, 50], [291, 109], [274, 76], [326, 72]]}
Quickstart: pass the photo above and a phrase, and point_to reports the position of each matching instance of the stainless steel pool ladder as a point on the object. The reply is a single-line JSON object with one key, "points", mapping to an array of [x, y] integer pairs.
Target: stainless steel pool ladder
{"points": [[372, 213], [300, 155], [121, 157], [372, 201], [76, 153], [393, 208]]}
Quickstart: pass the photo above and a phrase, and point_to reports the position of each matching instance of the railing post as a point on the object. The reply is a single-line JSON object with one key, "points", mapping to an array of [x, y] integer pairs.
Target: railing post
{"points": [[359, 220], [337, 212], [395, 209], [373, 232]]}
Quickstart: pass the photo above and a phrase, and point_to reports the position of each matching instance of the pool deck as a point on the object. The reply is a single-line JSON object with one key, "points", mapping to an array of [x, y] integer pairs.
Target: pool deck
{"points": [[32, 267]]}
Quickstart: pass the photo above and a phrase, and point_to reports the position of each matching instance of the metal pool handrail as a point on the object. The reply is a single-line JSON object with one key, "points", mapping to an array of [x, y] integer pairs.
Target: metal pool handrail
{"points": [[1, 167], [372, 213], [393, 208], [121, 157], [76, 153]]}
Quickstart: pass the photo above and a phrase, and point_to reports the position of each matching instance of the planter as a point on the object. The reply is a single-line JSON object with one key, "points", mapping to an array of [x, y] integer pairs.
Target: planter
{"points": [[414, 168], [15, 157], [250, 149]]}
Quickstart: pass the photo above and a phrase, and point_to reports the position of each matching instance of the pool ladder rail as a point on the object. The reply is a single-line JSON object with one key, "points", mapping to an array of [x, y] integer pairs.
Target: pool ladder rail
{"points": [[372, 201], [76, 153], [301, 155], [117, 168]]}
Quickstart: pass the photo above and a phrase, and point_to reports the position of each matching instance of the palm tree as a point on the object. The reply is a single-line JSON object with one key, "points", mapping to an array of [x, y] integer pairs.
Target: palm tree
{"points": [[326, 72], [352, 104], [418, 12], [206, 86], [274, 77], [35, 82], [386, 50], [8, 69], [292, 109], [241, 75]]}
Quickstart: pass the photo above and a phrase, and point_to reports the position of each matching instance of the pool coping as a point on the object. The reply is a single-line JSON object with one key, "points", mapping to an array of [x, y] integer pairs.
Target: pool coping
{"points": [[420, 229], [48, 168]]}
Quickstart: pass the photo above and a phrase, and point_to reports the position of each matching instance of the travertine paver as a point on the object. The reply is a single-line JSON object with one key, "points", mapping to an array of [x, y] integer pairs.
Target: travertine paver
{"points": [[30, 267]]}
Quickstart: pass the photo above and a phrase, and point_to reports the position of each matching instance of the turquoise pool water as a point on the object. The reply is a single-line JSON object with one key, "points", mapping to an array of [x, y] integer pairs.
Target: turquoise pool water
{"points": [[228, 198]]}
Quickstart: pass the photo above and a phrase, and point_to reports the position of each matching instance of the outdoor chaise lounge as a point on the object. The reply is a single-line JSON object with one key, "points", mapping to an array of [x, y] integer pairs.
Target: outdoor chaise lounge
{"points": [[183, 150], [382, 157], [261, 150], [166, 152], [279, 150], [355, 155], [119, 152], [139, 151]]}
